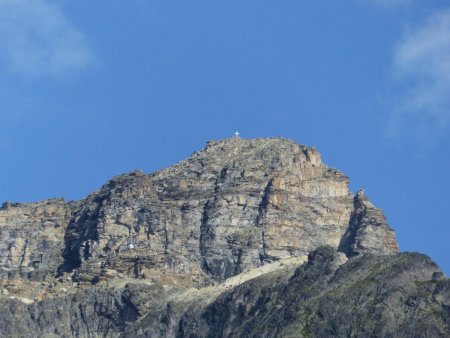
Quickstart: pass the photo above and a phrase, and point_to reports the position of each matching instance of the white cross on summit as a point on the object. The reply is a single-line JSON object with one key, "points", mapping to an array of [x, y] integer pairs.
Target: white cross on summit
{"points": [[236, 134]]}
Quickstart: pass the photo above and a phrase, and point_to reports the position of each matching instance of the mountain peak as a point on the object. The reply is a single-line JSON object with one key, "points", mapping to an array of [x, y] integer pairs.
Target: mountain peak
{"points": [[235, 205], [240, 224]]}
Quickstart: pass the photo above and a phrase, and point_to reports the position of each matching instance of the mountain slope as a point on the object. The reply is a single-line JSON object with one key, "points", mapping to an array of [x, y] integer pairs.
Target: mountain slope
{"points": [[400, 295], [203, 228]]}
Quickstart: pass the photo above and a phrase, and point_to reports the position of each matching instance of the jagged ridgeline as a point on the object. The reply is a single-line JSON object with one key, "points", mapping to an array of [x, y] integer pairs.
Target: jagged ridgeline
{"points": [[215, 246]]}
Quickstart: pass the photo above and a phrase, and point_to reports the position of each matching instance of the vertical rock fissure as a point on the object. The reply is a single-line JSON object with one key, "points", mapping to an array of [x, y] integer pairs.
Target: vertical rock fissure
{"points": [[166, 239], [80, 231], [262, 253], [83, 318], [205, 236], [262, 207], [349, 237], [24, 253], [238, 265], [219, 178]]}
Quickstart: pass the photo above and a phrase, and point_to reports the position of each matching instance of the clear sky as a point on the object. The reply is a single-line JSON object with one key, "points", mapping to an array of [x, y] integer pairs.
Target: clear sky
{"points": [[90, 89]]}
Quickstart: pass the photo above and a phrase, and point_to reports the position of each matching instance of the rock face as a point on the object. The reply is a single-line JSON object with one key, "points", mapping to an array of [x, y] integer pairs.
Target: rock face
{"points": [[401, 295], [238, 207], [233, 206], [368, 231], [369, 296], [32, 239]]}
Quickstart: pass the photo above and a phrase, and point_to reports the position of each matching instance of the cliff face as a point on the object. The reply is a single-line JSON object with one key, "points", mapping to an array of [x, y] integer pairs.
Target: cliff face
{"points": [[234, 207], [32, 237]]}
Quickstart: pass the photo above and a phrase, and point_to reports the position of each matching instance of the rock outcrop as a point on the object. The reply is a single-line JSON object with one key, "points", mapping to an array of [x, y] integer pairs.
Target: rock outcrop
{"points": [[400, 295], [238, 207], [369, 296], [367, 231], [32, 238]]}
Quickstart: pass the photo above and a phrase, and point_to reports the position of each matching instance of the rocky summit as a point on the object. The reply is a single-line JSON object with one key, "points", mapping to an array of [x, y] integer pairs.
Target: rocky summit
{"points": [[245, 238]]}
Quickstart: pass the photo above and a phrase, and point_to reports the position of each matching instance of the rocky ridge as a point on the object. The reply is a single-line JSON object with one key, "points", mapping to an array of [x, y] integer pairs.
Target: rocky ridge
{"points": [[236, 213]]}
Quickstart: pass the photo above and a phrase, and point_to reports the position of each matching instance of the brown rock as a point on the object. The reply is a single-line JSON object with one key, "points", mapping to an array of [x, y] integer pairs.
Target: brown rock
{"points": [[235, 205]]}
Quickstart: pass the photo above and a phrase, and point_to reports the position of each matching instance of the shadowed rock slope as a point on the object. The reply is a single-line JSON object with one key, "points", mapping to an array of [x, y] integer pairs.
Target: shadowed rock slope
{"points": [[210, 247], [402, 295]]}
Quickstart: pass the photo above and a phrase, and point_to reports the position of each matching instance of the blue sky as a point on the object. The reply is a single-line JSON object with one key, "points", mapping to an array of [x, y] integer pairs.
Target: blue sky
{"points": [[92, 89]]}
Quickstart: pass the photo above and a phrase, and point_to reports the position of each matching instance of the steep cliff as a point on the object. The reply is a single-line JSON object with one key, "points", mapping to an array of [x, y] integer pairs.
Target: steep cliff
{"points": [[232, 211]]}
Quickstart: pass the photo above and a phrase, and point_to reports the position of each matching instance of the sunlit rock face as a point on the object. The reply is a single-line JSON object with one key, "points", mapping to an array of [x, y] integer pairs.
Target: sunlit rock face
{"points": [[233, 206], [32, 238], [225, 231]]}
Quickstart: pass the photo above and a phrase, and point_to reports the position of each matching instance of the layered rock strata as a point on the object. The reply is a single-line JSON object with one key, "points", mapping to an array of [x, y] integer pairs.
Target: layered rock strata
{"points": [[207, 244], [32, 238], [236, 205]]}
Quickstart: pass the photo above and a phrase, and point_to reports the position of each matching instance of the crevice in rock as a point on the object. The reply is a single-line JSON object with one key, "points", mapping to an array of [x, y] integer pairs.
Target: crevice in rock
{"points": [[217, 182], [262, 207], [238, 265], [82, 229], [349, 238], [206, 232], [166, 239], [128, 312], [83, 318], [223, 173], [24, 253], [262, 253]]}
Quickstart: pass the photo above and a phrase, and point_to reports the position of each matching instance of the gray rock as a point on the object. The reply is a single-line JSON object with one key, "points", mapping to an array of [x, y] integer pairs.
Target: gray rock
{"points": [[368, 231], [147, 255], [234, 206], [32, 238], [369, 296]]}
